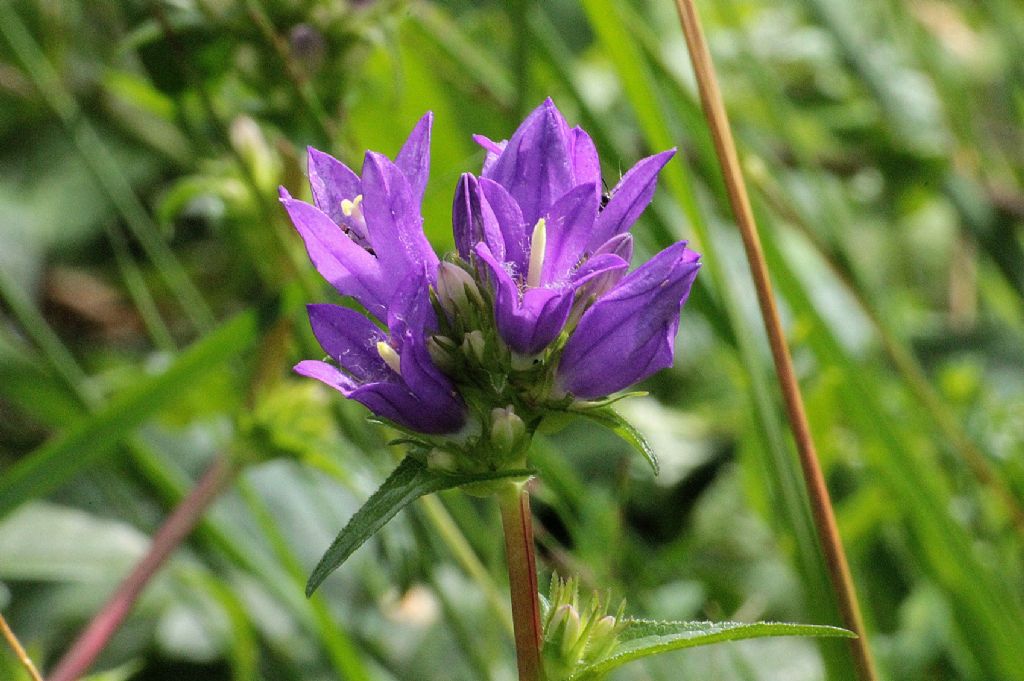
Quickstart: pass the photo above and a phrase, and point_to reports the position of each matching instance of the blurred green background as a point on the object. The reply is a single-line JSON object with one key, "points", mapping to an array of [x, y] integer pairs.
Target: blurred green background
{"points": [[151, 305]]}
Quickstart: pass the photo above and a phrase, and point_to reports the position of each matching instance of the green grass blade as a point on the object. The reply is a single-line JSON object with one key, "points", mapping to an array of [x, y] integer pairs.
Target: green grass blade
{"points": [[778, 465], [102, 164], [87, 442]]}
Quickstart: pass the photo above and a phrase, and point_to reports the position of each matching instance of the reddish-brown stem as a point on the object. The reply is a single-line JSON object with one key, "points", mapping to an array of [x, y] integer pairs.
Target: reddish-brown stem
{"points": [[171, 534], [517, 523], [821, 505], [19, 651]]}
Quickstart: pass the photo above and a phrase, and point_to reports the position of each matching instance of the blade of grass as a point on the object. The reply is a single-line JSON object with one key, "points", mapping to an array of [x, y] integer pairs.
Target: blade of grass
{"points": [[90, 439], [303, 89], [821, 505], [138, 290], [989, 611], [338, 643], [92, 641], [778, 467], [102, 165], [52, 347], [484, 75]]}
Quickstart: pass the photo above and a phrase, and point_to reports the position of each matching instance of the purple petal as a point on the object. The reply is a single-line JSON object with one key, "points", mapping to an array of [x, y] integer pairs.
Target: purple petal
{"points": [[474, 221], [393, 220], [530, 324], [586, 168], [620, 245], [629, 198], [510, 223], [629, 333], [332, 182], [535, 166], [492, 148], [350, 339], [343, 263], [414, 157], [598, 274], [429, 385], [327, 374], [395, 402], [569, 227]]}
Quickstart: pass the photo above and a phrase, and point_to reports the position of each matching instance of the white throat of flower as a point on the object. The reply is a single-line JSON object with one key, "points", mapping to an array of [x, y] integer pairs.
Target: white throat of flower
{"points": [[390, 356], [538, 244]]}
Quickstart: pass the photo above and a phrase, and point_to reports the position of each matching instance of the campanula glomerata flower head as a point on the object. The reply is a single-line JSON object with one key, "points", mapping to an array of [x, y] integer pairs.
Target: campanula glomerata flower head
{"points": [[538, 312]]}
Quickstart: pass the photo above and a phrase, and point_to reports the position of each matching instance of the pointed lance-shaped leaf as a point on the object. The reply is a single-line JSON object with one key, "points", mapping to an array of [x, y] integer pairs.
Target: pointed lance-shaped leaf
{"points": [[408, 482]]}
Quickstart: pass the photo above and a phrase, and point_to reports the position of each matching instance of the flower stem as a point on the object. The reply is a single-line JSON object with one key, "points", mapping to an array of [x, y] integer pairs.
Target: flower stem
{"points": [[821, 504], [517, 523], [19, 651], [175, 529]]}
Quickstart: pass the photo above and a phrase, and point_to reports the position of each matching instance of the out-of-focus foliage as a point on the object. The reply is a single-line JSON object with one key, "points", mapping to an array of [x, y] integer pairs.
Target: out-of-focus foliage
{"points": [[142, 145]]}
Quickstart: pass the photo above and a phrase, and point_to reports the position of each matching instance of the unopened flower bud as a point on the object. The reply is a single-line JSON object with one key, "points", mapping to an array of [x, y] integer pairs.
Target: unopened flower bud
{"points": [[440, 460], [507, 429], [571, 634], [456, 289], [602, 638], [557, 619], [441, 349], [474, 345]]}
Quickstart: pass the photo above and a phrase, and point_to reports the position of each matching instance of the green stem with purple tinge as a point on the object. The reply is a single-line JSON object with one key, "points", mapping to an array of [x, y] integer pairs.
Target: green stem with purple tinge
{"points": [[517, 524]]}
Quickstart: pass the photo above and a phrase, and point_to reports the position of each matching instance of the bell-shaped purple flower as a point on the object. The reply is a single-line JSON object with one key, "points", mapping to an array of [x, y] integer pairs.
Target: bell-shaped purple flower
{"points": [[365, 234], [365, 237], [536, 221], [629, 333], [391, 373]]}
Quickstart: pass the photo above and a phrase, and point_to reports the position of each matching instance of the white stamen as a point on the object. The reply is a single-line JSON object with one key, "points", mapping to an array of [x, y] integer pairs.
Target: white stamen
{"points": [[352, 208], [538, 244], [390, 357]]}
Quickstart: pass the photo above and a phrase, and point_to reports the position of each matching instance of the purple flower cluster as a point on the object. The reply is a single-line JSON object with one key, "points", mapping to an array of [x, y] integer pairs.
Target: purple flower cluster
{"points": [[543, 270]]}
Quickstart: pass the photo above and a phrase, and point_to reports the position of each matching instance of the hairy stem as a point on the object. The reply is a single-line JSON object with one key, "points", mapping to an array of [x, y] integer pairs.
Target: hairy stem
{"points": [[171, 534], [19, 651], [821, 504], [517, 523]]}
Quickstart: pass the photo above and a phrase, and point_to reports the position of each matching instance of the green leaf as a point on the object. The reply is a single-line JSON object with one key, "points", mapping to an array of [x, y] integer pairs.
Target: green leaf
{"points": [[613, 421], [96, 436], [642, 638], [407, 483]]}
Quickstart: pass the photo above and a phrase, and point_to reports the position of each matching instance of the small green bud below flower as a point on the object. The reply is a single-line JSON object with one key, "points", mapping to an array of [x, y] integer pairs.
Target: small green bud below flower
{"points": [[507, 430], [441, 350], [474, 346], [456, 290], [440, 460]]}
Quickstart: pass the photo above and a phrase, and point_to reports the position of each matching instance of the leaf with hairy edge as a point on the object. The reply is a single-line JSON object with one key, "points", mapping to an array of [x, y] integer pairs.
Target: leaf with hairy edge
{"points": [[642, 638], [407, 483], [614, 422]]}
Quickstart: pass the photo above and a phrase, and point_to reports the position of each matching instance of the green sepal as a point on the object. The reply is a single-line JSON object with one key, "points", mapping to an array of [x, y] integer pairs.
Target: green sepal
{"points": [[642, 638], [408, 482], [612, 420]]}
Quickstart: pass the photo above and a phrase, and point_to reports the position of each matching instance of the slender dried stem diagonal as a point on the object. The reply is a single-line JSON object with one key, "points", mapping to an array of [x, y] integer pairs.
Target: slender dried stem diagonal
{"points": [[821, 505], [19, 650]]}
